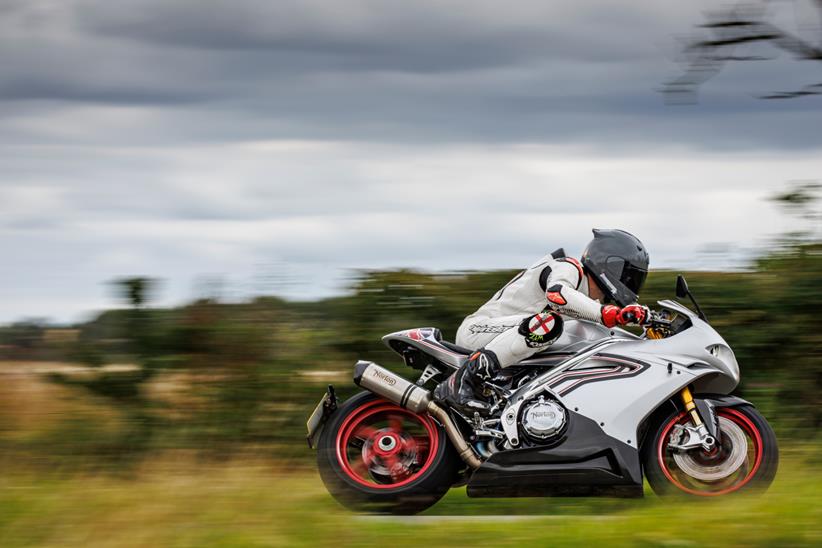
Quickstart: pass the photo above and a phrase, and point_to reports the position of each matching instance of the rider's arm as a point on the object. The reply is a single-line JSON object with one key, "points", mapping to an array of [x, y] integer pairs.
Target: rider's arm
{"points": [[564, 297]]}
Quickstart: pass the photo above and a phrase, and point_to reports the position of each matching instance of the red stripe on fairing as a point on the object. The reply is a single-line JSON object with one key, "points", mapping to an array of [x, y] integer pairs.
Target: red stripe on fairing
{"points": [[587, 375], [577, 373], [618, 373], [582, 372]]}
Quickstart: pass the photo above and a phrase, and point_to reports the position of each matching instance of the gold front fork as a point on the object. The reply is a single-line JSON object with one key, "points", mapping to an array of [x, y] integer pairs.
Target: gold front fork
{"points": [[653, 333], [692, 437], [690, 406]]}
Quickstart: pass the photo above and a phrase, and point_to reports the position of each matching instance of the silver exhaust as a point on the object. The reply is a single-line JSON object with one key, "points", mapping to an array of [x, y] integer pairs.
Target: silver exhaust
{"points": [[404, 393], [391, 386]]}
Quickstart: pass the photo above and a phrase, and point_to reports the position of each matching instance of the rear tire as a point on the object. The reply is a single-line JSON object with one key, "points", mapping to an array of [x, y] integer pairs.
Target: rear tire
{"points": [[374, 456], [697, 473]]}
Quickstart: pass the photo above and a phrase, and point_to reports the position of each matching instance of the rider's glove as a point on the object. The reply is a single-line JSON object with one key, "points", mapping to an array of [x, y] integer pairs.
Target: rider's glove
{"points": [[631, 314]]}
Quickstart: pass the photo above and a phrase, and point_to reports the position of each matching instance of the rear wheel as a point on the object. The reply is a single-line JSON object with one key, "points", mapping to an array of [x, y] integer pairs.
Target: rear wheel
{"points": [[378, 457], [746, 458]]}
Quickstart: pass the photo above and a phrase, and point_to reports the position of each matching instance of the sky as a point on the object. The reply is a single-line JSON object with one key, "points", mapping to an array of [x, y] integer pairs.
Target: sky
{"points": [[276, 147]]}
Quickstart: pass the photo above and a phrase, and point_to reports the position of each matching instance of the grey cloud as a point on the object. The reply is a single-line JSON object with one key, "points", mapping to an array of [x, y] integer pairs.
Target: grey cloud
{"points": [[427, 71], [29, 90], [422, 35], [179, 138]]}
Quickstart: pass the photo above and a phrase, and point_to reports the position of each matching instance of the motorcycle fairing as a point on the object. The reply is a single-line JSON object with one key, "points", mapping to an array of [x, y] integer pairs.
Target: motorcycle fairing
{"points": [[620, 403], [583, 462]]}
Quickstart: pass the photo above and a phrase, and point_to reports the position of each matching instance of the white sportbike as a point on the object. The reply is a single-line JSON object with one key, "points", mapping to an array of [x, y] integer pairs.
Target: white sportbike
{"points": [[597, 412]]}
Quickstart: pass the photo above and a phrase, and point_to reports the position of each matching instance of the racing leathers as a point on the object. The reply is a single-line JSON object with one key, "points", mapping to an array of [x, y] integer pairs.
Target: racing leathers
{"points": [[523, 318], [538, 297]]}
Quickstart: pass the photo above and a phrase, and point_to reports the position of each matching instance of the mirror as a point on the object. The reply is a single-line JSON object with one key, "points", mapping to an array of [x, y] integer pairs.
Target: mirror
{"points": [[681, 287]]}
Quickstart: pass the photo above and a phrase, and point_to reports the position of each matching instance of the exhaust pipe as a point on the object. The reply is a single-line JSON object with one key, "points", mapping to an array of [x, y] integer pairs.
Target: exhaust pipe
{"points": [[391, 386], [404, 393], [465, 452]]}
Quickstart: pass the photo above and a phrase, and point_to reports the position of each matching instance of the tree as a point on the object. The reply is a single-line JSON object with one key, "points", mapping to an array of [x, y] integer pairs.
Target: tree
{"points": [[137, 292], [124, 389], [742, 26]]}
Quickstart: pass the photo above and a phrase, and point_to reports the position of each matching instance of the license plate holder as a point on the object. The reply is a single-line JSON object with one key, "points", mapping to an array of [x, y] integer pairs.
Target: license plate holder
{"points": [[326, 406]]}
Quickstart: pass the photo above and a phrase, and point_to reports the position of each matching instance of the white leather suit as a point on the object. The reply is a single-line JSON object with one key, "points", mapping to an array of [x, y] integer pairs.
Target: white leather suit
{"points": [[550, 284]]}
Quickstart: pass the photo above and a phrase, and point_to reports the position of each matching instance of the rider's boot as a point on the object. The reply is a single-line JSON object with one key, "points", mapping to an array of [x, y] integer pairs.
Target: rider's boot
{"points": [[463, 390]]}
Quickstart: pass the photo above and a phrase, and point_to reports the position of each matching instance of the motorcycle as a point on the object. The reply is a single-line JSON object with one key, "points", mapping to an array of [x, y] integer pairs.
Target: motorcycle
{"points": [[593, 415]]}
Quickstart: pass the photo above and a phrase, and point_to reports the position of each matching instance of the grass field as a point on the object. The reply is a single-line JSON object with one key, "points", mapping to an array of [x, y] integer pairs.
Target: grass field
{"points": [[178, 503], [184, 501]]}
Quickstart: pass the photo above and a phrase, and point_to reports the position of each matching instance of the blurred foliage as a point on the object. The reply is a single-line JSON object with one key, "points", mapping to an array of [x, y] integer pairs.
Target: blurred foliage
{"points": [[218, 379]]}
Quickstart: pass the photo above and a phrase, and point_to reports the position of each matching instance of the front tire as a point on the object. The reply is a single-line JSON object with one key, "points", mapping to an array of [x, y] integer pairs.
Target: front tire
{"points": [[375, 456], [745, 460]]}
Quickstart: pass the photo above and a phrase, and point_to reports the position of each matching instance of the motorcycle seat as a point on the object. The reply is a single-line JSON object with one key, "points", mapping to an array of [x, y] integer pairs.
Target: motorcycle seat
{"points": [[455, 347]]}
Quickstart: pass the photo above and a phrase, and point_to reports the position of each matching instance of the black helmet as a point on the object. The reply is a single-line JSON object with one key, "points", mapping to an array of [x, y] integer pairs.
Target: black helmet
{"points": [[619, 264]]}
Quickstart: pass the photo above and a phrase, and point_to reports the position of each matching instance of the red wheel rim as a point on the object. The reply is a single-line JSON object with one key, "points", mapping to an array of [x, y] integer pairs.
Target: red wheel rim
{"points": [[383, 446], [748, 468]]}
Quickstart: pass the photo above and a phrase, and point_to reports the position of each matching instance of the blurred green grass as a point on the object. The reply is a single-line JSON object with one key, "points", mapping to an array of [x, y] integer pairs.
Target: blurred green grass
{"points": [[177, 502]]}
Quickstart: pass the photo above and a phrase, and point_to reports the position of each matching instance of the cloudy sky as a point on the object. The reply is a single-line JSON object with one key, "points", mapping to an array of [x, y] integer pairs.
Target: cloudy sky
{"points": [[276, 144]]}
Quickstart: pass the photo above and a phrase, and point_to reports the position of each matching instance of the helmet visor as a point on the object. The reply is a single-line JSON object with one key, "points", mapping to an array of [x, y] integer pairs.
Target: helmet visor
{"points": [[630, 276], [633, 278]]}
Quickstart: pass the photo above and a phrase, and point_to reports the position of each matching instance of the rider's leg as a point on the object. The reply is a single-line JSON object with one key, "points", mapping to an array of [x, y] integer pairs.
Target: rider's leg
{"points": [[523, 338], [477, 331], [533, 334]]}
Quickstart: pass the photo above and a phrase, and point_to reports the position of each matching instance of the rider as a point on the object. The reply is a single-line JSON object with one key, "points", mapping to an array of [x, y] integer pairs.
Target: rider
{"points": [[525, 316]]}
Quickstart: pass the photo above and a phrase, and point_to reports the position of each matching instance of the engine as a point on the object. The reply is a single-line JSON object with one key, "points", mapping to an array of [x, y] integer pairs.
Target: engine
{"points": [[543, 419]]}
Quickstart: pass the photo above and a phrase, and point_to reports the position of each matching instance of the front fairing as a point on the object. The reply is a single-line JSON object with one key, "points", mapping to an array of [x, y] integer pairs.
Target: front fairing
{"points": [[699, 346], [619, 380]]}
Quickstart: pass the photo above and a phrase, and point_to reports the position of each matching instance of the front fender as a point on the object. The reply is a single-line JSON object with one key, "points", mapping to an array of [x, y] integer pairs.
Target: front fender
{"points": [[719, 400]]}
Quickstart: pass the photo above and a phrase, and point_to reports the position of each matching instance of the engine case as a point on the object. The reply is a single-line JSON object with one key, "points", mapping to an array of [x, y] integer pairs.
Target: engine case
{"points": [[542, 419]]}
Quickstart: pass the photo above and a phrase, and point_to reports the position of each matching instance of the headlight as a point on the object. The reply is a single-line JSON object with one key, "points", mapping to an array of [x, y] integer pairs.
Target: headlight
{"points": [[725, 355]]}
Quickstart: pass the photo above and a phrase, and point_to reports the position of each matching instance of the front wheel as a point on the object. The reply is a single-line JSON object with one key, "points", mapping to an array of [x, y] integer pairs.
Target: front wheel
{"points": [[376, 456], [745, 459]]}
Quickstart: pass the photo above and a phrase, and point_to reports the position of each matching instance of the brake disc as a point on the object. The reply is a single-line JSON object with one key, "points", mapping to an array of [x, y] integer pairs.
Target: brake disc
{"points": [[731, 456]]}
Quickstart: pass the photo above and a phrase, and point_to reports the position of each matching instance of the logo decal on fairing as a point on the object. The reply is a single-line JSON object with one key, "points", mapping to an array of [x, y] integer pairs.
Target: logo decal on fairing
{"points": [[615, 367]]}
